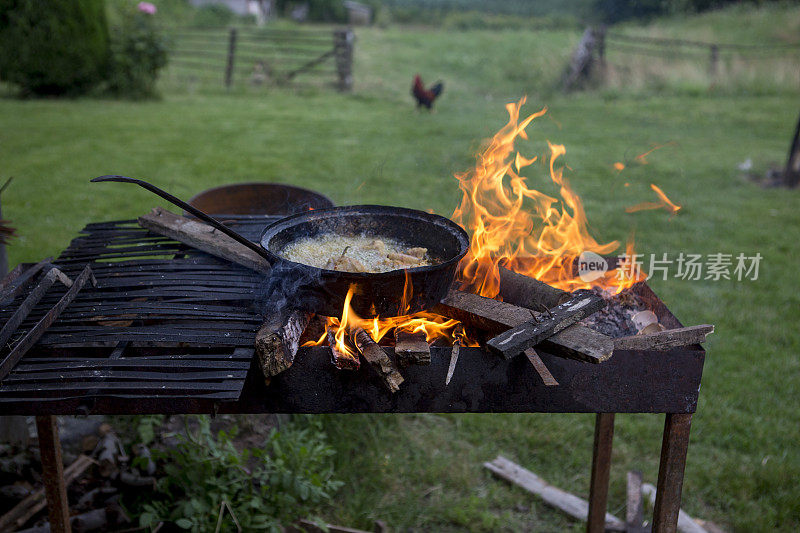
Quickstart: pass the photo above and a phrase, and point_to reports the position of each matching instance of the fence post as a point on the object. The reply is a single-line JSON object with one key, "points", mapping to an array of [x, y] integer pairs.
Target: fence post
{"points": [[791, 174], [231, 55], [600, 36], [714, 60], [343, 52]]}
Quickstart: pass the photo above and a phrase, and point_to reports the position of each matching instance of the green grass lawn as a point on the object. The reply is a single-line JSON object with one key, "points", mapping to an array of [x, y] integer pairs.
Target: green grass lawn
{"points": [[424, 472]]}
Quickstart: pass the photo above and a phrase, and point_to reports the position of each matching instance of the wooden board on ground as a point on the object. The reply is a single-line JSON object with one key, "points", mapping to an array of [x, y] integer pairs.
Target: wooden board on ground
{"points": [[562, 500]]}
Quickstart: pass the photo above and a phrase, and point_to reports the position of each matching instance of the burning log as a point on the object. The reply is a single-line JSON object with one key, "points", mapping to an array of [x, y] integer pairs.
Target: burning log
{"points": [[665, 340], [278, 339], [378, 359], [575, 342], [342, 360], [203, 237], [411, 348], [531, 333], [528, 292]]}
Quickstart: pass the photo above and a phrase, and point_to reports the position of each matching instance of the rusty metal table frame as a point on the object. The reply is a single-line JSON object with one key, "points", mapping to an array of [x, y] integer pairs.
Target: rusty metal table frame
{"points": [[653, 382]]}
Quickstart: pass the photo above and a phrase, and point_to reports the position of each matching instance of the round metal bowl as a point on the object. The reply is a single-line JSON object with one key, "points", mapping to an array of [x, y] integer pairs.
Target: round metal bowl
{"points": [[376, 294], [271, 199]]}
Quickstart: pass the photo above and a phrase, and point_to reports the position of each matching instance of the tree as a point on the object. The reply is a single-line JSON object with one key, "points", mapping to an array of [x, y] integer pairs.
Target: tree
{"points": [[53, 48]]}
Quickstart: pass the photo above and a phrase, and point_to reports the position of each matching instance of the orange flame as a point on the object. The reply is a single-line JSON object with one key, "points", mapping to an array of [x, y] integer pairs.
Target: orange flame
{"points": [[619, 166], [642, 158], [519, 227], [665, 202], [434, 326]]}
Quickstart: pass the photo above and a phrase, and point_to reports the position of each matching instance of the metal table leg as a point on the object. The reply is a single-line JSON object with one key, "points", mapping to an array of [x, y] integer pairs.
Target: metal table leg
{"points": [[53, 474], [601, 466], [670, 472]]}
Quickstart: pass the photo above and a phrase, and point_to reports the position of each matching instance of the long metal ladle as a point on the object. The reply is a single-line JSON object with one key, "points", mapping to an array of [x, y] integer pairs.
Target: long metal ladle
{"points": [[190, 209]]}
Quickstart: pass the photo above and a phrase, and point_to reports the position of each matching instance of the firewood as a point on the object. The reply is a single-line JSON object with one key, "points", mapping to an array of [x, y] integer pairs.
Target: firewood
{"points": [[541, 368], [278, 339], [531, 333], [143, 453], [575, 342], [203, 237], [341, 360], [36, 502], [528, 292], [411, 348], [378, 359], [95, 497], [665, 340]]}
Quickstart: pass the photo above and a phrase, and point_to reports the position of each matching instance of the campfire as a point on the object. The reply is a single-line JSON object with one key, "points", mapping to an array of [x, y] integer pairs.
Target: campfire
{"points": [[515, 288]]}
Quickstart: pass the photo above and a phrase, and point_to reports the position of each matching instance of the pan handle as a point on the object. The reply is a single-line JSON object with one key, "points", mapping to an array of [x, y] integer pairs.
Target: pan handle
{"points": [[190, 209]]}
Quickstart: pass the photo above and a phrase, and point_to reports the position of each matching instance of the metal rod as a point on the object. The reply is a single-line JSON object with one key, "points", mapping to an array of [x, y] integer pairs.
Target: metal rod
{"points": [[601, 467], [670, 472], [53, 474], [189, 208]]}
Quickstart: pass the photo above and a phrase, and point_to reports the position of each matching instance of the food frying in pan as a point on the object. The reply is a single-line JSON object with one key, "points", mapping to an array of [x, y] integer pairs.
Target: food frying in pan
{"points": [[355, 253]]}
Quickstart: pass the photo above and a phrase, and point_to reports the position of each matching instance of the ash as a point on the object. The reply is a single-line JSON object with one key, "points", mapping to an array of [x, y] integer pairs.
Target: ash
{"points": [[615, 319]]}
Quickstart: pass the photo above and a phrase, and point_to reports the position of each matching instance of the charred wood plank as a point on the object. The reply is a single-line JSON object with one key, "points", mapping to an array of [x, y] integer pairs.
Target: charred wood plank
{"points": [[531, 333], [47, 320], [278, 339], [665, 340], [378, 359], [411, 348], [575, 342], [341, 360], [203, 237]]}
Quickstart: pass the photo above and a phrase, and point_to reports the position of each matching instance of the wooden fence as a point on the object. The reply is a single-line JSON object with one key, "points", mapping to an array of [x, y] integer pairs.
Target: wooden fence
{"points": [[231, 57], [688, 49], [590, 56]]}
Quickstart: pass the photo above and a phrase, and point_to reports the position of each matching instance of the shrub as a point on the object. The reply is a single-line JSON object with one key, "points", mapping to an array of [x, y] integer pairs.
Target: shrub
{"points": [[53, 48], [213, 16], [138, 52], [265, 488]]}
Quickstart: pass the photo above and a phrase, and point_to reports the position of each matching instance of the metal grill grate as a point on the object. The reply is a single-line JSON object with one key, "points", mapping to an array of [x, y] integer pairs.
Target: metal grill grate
{"points": [[164, 321]]}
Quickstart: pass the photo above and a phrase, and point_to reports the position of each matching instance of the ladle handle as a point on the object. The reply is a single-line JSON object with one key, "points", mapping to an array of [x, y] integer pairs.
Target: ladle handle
{"points": [[190, 209]]}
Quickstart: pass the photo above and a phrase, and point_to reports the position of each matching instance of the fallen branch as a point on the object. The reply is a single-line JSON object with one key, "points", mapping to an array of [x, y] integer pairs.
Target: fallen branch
{"points": [[686, 524]]}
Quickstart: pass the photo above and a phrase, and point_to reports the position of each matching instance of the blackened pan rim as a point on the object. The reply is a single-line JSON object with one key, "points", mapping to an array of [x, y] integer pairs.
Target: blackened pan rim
{"points": [[444, 223]]}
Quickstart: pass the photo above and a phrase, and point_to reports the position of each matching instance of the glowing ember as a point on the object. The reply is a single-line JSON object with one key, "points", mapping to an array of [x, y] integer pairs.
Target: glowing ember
{"points": [[665, 203]]}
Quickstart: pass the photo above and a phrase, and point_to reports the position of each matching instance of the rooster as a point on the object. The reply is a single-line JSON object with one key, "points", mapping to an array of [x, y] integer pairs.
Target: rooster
{"points": [[425, 97]]}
